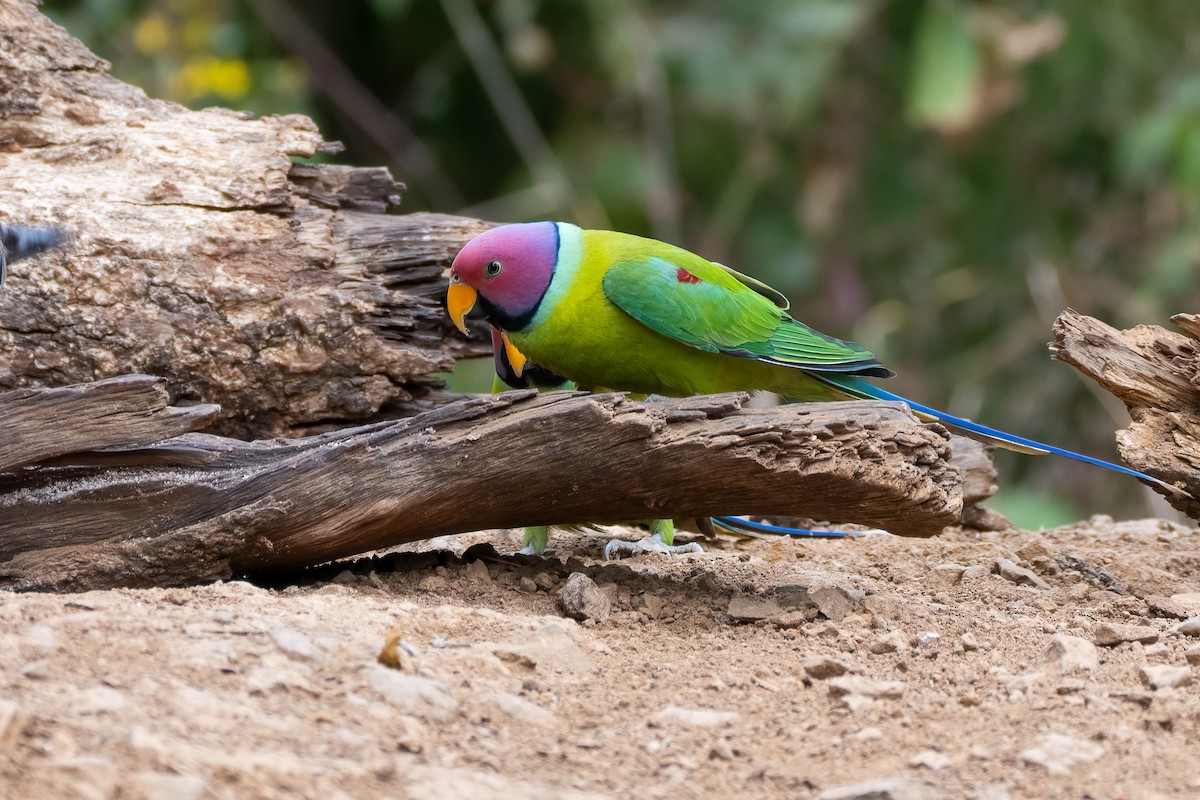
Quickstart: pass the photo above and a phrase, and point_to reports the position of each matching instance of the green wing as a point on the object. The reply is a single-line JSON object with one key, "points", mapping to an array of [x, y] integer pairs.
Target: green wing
{"points": [[712, 308]]}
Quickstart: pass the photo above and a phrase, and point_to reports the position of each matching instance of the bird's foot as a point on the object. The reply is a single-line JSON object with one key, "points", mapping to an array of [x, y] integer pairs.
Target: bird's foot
{"points": [[529, 550], [614, 550]]}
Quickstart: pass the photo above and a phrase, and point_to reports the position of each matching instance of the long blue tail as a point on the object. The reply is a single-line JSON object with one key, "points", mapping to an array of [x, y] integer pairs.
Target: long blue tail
{"points": [[859, 388], [747, 526]]}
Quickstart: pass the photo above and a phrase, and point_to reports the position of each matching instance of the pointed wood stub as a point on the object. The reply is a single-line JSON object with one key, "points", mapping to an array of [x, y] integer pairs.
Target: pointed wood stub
{"points": [[1156, 374]]}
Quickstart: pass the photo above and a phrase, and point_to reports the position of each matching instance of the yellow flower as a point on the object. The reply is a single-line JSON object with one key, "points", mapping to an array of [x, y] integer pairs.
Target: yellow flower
{"points": [[227, 78], [152, 34]]}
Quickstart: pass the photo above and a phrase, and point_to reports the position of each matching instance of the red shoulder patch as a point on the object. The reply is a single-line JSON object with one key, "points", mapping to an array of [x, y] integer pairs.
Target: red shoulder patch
{"points": [[683, 276]]}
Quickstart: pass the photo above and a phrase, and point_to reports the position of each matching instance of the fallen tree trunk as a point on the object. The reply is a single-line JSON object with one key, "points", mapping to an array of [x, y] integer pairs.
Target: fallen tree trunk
{"points": [[1156, 374], [198, 507], [207, 255]]}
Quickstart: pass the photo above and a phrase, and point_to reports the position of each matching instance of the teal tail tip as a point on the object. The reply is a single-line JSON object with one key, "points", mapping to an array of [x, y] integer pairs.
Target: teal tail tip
{"points": [[1001, 438]]}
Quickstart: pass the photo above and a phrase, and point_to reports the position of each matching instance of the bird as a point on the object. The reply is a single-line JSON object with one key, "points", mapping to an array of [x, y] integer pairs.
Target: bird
{"points": [[23, 241], [615, 311]]}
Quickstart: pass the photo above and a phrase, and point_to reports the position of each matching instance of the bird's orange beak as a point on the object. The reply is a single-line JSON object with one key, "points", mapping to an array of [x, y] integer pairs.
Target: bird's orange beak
{"points": [[460, 299]]}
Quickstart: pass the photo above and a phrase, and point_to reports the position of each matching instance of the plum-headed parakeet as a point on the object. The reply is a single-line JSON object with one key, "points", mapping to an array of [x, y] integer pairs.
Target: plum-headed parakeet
{"points": [[614, 311]]}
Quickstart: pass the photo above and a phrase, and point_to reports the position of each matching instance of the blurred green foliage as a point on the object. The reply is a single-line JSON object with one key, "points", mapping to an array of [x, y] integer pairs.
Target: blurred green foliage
{"points": [[935, 179]]}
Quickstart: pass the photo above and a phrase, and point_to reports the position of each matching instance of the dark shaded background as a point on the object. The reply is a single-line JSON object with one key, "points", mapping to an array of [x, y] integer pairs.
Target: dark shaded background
{"points": [[934, 179]]}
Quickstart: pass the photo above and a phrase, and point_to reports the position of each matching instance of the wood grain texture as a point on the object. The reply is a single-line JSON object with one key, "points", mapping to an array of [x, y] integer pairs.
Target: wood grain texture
{"points": [[207, 255], [200, 507], [1156, 374], [37, 425]]}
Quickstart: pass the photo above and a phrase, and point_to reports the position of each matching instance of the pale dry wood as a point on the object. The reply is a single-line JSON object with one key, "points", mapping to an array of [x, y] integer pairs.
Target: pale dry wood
{"points": [[200, 507], [37, 425], [207, 255], [1156, 374]]}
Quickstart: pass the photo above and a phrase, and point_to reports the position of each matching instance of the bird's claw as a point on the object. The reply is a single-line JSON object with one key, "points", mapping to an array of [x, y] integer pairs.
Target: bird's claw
{"points": [[614, 550]]}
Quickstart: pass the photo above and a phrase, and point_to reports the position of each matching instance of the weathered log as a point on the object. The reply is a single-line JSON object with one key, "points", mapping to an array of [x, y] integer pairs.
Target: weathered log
{"points": [[1156, 374], [200, 507], [206, 255], [36, 425]]}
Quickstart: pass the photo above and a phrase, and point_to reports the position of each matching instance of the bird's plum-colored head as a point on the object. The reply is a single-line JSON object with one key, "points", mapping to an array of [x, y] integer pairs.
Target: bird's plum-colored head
{"points": [[506, 270]]}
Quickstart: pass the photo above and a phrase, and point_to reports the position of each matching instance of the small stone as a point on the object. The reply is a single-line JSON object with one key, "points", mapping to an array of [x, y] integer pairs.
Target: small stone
{"points": [[976, 572], [265, 678], [831, 602], [36, 670], [865, 687], [1192, 654], [9, 727], [1108, 634], [747, 608], [40, 636], [889, 643], [582, 599], [548, 648], [946, 575], [722, 751], [1189, 627], [1188, 601], [1059, 752], [419, 696], [652, 605], [930, 759], [695, 717], [477, 572], [295, 644], [433, 583], [99, 700], [894, 788], [792, 619], [1018, 575], [1071, 654], [822, 667], [969, 643], [1035, 548], [1166, 676], [527, 585], [545, 581], [168, 786], [521, 709], [1156, 649], [89, 777], [345, 578], [1160, 606], [927, 643]]}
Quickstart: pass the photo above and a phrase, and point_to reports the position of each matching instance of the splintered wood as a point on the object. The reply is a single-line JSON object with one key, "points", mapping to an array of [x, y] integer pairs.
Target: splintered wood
{"points": [[1156, 374]]}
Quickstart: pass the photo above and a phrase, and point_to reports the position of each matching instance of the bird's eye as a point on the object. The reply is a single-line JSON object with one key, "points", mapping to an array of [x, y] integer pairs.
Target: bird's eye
{"points": [[493, 269], [455, 277]]}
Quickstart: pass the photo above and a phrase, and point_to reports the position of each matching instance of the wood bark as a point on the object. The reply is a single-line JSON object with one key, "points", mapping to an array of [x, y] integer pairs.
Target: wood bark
{"points": [[1156, 374], [198, 507], [208, 254]]}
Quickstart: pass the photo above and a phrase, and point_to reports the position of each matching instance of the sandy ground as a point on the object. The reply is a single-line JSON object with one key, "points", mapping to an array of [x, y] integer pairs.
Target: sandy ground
{"points": [[999, 665]]}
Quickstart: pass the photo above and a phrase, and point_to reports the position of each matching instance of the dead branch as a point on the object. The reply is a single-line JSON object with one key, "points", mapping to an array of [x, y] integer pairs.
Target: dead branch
{"points": [[199, 507], [1156, 374]]}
